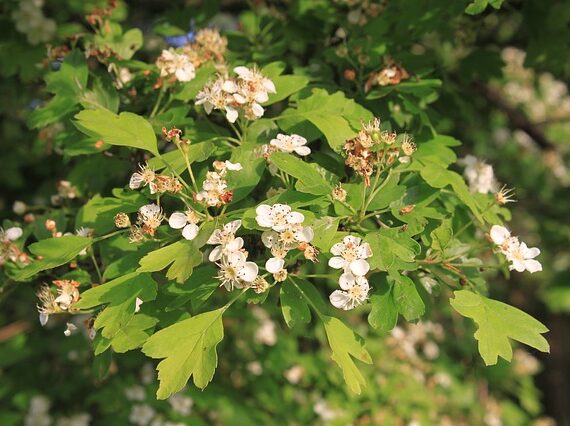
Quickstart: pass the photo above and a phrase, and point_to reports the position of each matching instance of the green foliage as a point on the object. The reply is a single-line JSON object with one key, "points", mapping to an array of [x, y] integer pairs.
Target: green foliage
{"points": [[189, 350], [125, 129], [498, 322]]}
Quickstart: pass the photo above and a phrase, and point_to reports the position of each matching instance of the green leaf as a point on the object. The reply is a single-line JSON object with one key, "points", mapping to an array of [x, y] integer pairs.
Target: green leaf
{"points": [[293, 305], [442, 236], [285, 86], [190, 90], [67, 84], [54, 252], [196, 289], [337, 117], [439, 177], [309, 180], [345, 345], [384, 313], [182, 255], [244, 181], [497, 323], [406, 297], [325, 229], [392, 250], [189, 349], [125, 129]]}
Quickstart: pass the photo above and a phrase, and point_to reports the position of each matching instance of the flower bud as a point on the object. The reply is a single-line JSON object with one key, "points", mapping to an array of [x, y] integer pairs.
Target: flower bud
{"points": [[339, 193], [122, 220], [349, 74], [50, 225], [19, 208]]}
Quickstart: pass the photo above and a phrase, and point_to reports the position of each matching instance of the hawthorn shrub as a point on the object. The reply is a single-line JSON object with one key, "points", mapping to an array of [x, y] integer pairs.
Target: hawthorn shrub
{"points": [[267, 194]]}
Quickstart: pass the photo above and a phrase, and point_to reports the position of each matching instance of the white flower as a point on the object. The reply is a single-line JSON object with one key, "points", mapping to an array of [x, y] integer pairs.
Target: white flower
{"points": [[278, 217], [235, 270], [291, 143], [479, 175], [185, 221], [218, 95], [522, 258], [19, 207], [516, 252], [226, 239], [350, 255], [171, 63], [146, 176], [150, 215], [354, 292], [263, 84], [181, 404], [135, 393], [10, 234], [70, 329], [141, 414]]}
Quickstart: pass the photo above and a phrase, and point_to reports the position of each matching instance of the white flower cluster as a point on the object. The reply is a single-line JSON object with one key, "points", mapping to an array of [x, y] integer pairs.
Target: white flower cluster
{"points": [[9, 251], [156, 183], [516, 252], [285, 233], [231, 257], [479, 175], [215, 191], [350, 255], [179, 65], [247, 92], [291, 143], [31, 21]]}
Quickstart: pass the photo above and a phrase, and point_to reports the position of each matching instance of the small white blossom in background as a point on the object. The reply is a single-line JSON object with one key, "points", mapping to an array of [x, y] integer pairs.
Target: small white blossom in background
{"points": [[80, 419], [31, 21], [38, 412], [290, 144], [266, 332], [187, 222], [255, 368], [324, 411], [141, 414], [516, 252], [294, 374], [181, 404], [19, 208], [135, 393], [246, 92], [10, 234], [172, 63], [145, 176], [148, 374], [70, 329], [479, 175]]}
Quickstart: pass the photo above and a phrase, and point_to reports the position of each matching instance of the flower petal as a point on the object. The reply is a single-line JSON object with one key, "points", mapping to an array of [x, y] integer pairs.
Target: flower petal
{"points": [[533, 266], [346, 281], [190, 231], [216, 254], [274, 265], [337, 262], [359, 267], [303, 150], [499, 234], [295, 218], [249, 272], [339, 299], [177, 220]]}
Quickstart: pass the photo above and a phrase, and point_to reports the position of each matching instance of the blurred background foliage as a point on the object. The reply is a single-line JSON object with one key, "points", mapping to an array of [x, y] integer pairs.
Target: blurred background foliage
{"points": [[493, 74]]}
